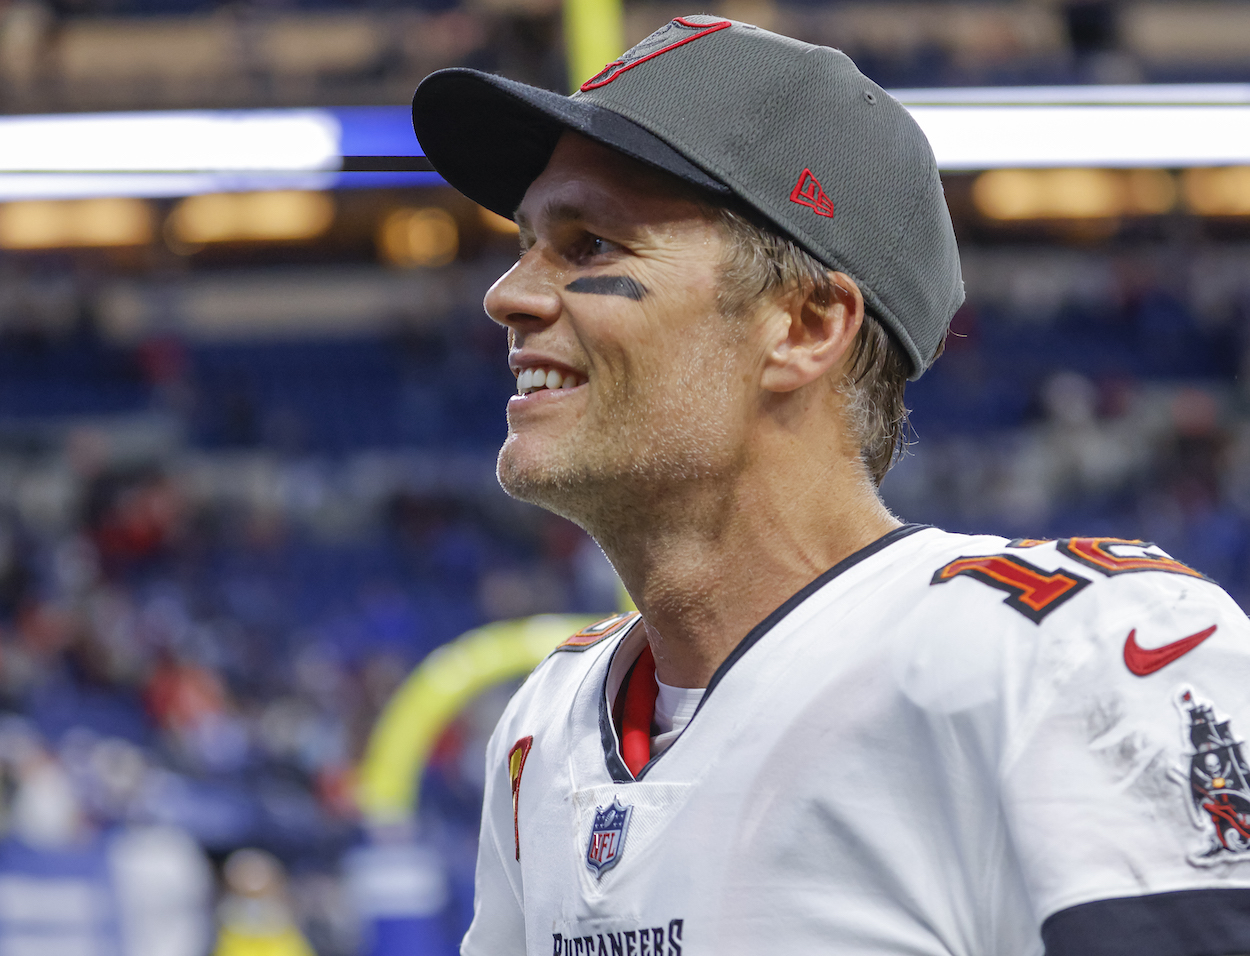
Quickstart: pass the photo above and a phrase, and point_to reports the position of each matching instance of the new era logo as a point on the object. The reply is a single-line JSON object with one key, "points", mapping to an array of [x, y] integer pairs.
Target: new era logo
{"points": [[807, 192]]}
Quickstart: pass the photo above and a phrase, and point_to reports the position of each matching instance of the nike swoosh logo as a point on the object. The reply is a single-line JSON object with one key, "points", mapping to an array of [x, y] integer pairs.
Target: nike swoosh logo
{"points": [[1142, 661]]}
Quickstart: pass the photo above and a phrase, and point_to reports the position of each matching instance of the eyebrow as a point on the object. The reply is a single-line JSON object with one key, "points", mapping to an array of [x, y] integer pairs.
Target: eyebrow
{"points": [[556, 212]]}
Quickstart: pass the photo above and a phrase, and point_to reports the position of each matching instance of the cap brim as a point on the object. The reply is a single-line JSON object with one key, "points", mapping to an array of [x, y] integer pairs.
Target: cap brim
{"points": [[491, 137]]}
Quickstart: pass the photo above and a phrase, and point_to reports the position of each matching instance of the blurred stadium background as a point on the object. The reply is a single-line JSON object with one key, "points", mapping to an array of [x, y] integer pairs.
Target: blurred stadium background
{"points": [[248, 419]]}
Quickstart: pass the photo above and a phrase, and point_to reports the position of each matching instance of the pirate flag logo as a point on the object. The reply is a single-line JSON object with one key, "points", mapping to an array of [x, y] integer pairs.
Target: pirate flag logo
{"points": [[1218, 780]]}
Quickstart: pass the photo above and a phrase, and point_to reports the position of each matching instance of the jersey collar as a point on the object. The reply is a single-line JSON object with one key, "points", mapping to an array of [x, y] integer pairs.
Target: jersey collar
{"points": [[629, 646]]}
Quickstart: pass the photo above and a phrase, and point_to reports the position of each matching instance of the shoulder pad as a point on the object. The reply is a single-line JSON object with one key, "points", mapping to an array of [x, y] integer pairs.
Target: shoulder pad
{"points": [[599, 631]]}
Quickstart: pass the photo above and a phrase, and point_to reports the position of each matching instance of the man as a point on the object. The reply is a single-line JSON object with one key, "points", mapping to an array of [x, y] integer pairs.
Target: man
{"points": [[827, 732]]}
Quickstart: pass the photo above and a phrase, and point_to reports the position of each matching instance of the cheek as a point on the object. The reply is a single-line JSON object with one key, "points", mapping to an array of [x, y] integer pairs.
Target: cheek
{"points": [[699, 381], [617, 347], [687, 295], [675, 321], [673, 338]]}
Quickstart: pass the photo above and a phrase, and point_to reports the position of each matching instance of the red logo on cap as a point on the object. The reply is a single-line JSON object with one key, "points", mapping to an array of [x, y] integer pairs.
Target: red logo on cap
{"points": [[807, 192], [676, 33]]}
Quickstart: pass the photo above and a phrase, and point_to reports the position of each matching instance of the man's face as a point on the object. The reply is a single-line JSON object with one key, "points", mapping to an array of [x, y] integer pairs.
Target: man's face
{"points": [[613, 302]]}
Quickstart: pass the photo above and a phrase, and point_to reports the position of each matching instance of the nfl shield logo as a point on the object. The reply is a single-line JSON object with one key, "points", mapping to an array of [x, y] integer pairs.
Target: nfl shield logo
{"points": [[607, 836]]}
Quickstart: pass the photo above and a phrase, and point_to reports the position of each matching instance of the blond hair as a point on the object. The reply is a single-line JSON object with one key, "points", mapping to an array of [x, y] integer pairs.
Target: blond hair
{"points": [[760, 262]]}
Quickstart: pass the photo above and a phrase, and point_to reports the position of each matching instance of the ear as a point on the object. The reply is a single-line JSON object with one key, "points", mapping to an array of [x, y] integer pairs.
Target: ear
{"points": [[809, 338]]}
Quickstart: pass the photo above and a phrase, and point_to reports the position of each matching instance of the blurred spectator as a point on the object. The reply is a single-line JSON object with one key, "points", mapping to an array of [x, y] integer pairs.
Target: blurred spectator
{"points": [[68, 883], [400, 892], [163, 885], [255, 917]]}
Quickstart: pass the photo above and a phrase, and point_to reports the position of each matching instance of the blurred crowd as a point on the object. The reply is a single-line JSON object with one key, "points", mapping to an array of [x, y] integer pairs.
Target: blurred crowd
{"points": [[1094, 394], [199, 626], [219, 560], [60, 55], [162, 667]]}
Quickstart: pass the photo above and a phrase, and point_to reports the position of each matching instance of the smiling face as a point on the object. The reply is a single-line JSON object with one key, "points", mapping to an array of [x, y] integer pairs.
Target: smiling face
{"points": [[631, 384]]}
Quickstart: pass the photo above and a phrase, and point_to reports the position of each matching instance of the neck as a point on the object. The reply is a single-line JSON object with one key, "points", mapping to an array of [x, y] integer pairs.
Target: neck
{"points": [[707, 562]]}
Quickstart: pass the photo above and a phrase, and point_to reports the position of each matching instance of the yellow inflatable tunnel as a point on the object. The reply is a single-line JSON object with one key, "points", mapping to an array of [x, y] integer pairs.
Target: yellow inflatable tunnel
{"points": [[432, 696]]}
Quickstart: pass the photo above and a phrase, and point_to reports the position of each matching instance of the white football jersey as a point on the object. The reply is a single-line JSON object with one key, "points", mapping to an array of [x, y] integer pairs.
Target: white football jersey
{"points": [[944, 746]]}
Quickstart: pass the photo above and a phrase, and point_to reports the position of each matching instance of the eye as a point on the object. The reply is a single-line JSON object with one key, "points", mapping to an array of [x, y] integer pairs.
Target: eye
{"points": [[593, 246]]}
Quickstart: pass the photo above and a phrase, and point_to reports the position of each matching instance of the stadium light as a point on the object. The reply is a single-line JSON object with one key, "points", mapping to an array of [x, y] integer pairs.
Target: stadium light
{"points": [[1073, 193], [1151, 126], [288, 140], [968, 138], [971, 129], [1140, 94], [48, 224], [188, 153], [1218, 192], [419, 237], [279, 216]]}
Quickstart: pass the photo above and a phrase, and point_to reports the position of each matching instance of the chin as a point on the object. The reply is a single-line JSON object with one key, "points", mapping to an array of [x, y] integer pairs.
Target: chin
{"points": [[513, 479], [558, 486], [527, 476]]}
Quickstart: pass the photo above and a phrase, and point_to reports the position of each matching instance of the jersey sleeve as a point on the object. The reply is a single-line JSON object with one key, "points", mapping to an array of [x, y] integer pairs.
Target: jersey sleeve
{"points": [[1123, 773], [498, 927]]}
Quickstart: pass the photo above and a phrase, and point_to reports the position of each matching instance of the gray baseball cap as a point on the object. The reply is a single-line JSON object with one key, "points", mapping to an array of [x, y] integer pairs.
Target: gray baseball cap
{"points": [[795, 131]]}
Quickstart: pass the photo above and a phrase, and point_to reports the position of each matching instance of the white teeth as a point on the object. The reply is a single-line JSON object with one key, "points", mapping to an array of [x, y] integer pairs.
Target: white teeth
{"points": [[532, 379]]}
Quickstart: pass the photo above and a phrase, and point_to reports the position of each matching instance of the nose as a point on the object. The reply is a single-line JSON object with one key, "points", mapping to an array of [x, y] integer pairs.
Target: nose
{"points": [[524, 296]]}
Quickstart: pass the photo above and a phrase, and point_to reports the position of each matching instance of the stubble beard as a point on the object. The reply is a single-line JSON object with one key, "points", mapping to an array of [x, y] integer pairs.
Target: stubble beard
{"points": [[655, 445]]}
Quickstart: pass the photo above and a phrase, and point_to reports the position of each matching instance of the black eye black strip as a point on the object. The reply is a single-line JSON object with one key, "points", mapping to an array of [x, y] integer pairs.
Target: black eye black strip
{"points": [[623, 286]]}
